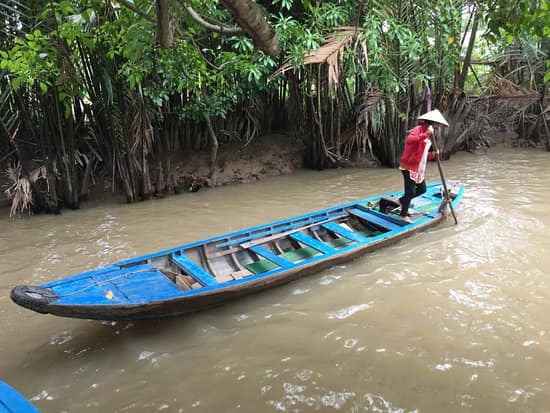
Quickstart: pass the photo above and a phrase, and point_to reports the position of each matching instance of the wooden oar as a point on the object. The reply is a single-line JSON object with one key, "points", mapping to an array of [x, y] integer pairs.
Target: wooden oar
{"points": [[447, 196]]}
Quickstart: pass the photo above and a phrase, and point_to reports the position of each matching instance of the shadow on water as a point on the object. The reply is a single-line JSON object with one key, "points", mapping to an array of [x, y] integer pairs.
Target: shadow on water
{"points": [[87, 339]]}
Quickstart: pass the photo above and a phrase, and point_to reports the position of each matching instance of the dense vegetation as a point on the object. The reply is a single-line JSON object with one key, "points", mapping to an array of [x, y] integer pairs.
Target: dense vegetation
{"points": [[117, 88]]}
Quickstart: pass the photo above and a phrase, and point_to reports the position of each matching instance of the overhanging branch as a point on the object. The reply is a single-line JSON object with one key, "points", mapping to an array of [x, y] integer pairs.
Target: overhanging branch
{"points": [[253, 20], [218, 28], [130, 6]]}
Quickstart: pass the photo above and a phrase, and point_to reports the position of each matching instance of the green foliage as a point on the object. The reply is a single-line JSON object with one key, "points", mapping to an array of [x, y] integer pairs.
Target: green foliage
{"points": [[517, 18], [298, 38], [216, 72], [519, 22], [407, 42], [411, 43], [285, 4], [32, 60], [45, 58]]}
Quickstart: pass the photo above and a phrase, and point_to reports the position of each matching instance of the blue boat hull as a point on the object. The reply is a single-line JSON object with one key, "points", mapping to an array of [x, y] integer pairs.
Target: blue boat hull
{"points": [[11, 401], [207, 273]]}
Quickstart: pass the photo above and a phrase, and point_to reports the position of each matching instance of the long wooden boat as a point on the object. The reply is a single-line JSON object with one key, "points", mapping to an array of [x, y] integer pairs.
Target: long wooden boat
{"points": [[202, 274], [11, 401]]}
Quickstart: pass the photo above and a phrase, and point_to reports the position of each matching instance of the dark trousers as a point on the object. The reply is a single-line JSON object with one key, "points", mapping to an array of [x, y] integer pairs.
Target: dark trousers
{"points": [[412, 190]]}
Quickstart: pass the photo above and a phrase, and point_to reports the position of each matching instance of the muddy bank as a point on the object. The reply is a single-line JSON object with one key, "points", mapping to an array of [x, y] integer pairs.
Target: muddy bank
{"points": [[266, 156]]}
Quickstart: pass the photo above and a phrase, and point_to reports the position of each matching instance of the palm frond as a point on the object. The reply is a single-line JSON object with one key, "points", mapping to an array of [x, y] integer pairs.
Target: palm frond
{"points": [[330, 53], [13, 20], [8, 114]]}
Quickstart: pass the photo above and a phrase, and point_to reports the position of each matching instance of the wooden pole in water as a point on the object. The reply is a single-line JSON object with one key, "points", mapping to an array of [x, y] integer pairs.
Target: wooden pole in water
{"points": [[446, 195], [446, 198]]}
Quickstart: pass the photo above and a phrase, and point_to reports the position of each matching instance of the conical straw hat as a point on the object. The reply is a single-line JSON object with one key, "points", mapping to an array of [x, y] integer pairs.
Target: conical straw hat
{"points": [[434, 116]]}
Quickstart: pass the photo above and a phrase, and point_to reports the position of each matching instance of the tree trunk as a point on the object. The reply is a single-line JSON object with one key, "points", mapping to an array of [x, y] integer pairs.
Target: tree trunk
{"points": [[215, 144], [252, 19], [163, 24], [468, 57]]}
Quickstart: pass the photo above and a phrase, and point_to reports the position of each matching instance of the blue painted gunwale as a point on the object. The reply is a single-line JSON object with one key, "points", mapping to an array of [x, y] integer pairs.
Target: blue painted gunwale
{"points": [[340, 208], [171, 293], [329, 211], [11, 401]]}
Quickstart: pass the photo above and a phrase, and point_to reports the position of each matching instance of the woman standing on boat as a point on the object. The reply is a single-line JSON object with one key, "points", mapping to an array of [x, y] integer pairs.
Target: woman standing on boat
{"points": [[415, 155]]}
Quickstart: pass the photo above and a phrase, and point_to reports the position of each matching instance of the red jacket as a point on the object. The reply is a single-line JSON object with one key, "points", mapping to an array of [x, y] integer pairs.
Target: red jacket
{"points": [[414, 148]]}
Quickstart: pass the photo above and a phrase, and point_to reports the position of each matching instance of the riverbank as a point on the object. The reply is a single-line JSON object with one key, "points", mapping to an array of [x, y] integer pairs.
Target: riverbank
{"points": [[266, 156]]}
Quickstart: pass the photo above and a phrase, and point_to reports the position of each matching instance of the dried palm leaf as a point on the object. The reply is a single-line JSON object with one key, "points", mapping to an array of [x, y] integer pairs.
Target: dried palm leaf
{"points": [[504, 87], [367, 124], [18, 191], [38, 173], [331, 53], [141, 125]]}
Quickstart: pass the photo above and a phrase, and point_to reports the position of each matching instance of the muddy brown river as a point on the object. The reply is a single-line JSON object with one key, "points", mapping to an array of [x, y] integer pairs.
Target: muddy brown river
{"points": [[454, 319]]}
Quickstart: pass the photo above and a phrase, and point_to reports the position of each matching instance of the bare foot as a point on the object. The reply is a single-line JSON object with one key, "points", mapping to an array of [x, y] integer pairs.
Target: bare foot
{"points": [[406, 219]]}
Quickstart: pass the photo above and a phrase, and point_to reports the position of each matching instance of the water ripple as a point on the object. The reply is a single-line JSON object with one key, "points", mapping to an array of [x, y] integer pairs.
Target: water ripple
{"points": [[454, 319], [349, 311]]}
